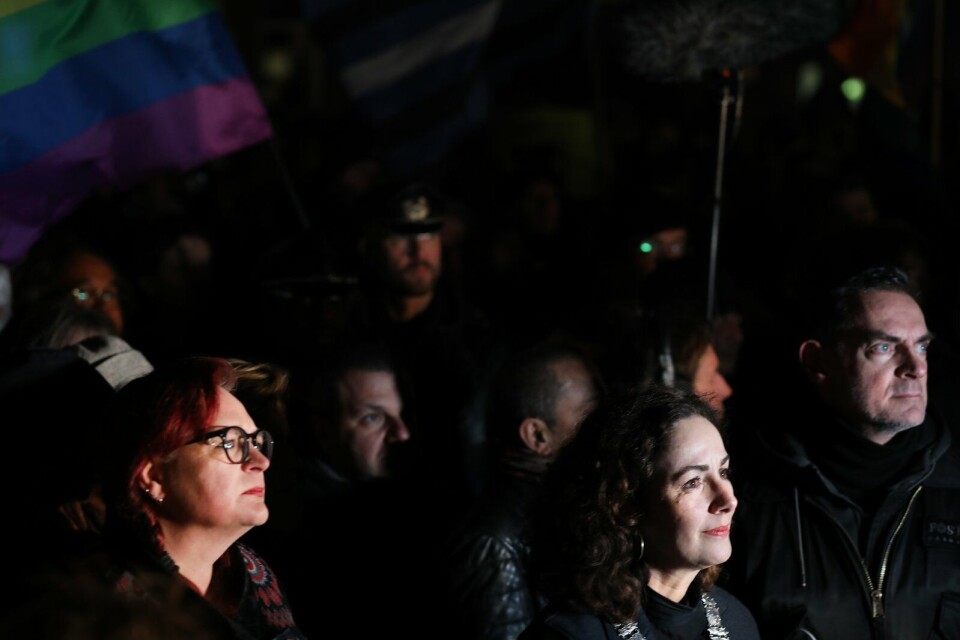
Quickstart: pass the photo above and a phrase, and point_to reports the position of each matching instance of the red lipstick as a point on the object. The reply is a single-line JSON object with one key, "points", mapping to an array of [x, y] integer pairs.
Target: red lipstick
{"points": [[719, 531]]}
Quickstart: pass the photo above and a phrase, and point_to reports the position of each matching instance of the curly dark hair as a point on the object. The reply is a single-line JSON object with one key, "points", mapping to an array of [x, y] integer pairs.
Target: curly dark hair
{"points": [[585, 524]]}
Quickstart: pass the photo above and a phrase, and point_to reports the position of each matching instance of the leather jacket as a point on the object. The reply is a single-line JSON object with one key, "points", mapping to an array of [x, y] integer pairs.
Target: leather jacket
{"points": [[797, 563], [487, 559]]}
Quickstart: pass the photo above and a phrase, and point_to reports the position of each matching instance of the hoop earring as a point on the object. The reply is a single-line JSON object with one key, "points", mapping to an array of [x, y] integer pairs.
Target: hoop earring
{"points": [[642, 546]]}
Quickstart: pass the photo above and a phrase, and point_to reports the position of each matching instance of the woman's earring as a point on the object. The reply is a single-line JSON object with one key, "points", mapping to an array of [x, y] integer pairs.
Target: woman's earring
{"points": [[159, 500], [642, 546]]}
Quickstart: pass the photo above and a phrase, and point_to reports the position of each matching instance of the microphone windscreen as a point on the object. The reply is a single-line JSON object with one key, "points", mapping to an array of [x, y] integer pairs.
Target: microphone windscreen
{"points": [[678, 40]]}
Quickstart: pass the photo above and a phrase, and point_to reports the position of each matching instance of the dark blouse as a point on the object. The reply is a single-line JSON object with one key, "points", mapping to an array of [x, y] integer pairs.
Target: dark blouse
{"points": [[684, 620], [661, 619]]}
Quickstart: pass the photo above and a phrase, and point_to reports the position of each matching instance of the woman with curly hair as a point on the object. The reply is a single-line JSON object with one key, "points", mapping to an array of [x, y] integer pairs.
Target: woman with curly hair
{"points": [[633, 525]]}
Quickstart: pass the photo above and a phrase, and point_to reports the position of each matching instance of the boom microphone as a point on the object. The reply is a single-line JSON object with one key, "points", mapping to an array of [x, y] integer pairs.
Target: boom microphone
{"points": [[678, 40]]}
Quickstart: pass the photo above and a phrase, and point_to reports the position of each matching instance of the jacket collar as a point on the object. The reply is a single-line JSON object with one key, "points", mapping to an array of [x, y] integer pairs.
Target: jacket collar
{"points": [[787, 451]]}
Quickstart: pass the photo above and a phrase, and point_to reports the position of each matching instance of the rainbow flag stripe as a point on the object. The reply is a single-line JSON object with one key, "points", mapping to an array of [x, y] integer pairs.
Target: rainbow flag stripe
{"points": [[100, 93]]}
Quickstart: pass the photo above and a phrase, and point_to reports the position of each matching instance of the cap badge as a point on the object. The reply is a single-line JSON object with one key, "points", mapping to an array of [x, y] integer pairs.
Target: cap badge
{"points": [[415, 210]]}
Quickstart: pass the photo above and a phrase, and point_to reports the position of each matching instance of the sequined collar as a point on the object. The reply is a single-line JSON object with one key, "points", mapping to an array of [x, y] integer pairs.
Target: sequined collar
{"points": [[715, 628]]}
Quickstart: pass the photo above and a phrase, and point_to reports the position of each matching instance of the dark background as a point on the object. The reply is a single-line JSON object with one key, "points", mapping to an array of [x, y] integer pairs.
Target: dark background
{"points": [[628, 151]]}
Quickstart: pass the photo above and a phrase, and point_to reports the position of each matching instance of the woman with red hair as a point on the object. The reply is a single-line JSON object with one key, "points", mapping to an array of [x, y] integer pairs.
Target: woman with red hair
{"points": [[183, 481]]}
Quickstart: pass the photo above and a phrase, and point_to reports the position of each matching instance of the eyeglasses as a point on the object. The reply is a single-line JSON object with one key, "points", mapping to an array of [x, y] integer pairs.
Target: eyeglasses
{"points": [[87, 296], [235, 442]]}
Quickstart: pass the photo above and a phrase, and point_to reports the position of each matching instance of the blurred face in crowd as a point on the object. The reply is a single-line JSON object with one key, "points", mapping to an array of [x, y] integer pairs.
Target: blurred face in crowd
{"points": [[370, 423], [876, 377], [708, 382], [411, 262], [857, 205], [686, 522], [93, 285], [664, 245], [199, 485], [540, 207]]}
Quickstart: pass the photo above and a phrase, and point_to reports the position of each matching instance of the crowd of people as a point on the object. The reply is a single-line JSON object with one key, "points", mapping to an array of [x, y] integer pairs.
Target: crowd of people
{"points": [[515, 382], [568, 451]]}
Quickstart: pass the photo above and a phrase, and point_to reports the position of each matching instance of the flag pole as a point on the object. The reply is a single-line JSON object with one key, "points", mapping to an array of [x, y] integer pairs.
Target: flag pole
{"points": [[729, 78], [936, 98]]}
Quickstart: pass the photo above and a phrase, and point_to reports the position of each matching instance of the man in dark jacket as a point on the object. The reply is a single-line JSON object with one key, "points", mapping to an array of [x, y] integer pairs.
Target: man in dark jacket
{"points": [[847, 523], [361, 561], [536, 404]]}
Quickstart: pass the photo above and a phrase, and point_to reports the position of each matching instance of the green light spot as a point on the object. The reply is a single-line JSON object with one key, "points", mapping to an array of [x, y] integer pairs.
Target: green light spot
{"points": [[853, 89], [646, 247]]}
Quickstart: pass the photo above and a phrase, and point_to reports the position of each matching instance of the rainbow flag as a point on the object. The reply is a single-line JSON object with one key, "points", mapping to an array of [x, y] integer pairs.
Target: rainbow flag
{"points": [[98, 93]]}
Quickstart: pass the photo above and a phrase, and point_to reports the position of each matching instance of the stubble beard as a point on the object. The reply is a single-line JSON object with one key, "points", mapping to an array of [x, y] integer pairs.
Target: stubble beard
{"points": [[887, 426], [408, 283], [877, 423]]}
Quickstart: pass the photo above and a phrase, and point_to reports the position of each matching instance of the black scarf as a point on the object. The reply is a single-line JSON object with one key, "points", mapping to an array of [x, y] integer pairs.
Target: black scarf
{"points": [[861, 469]]}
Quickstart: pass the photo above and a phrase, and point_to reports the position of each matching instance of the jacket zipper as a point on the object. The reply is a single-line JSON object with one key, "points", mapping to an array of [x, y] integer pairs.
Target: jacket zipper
{"points": [[876, 593], [876, 597]]}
